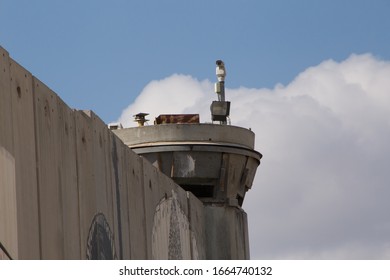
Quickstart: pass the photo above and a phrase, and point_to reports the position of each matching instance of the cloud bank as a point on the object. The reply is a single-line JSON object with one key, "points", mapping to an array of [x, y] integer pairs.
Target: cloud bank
{"points": [[322, 190]]}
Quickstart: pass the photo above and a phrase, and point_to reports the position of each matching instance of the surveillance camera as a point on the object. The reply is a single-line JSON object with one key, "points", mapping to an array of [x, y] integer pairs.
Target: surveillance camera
{"points": [[220, 70]]}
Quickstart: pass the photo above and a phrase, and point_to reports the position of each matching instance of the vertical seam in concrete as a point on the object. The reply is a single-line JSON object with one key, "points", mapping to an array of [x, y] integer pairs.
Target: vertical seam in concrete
{"points": [[76, 114], [190, 224], [111, 189], [126, 165], [77, 180], [37, 166], [245, 230], [118, 198], [144, 203]]}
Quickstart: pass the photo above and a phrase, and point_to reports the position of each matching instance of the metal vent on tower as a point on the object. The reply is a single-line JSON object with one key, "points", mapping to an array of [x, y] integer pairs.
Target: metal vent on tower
{"points": [[140, 118]]}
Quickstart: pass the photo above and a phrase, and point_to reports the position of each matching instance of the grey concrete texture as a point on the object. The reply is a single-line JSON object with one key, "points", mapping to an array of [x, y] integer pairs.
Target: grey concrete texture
{"points": [[227, 233], [71, 189], [187, 133], [216, 162]]}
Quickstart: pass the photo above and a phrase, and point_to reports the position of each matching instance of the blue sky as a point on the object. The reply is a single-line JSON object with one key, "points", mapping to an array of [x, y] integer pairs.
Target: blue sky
{"points": [[100, 54], [311, 78]]}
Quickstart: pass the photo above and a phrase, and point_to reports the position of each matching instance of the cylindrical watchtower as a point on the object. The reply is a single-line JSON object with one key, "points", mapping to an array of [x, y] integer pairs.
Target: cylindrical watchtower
{"points": [[216, 162]]}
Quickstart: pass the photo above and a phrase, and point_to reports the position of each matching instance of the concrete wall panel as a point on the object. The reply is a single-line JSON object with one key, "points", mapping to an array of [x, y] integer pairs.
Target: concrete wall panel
{"points": [[123, 208], [97, 195], [152, 198], [117, 161], [196, 217], [22, 104], [48, 158], [6, 136], [8, 206], [68, 181], [110, 182], [172, 236], [136, 202], [85, 178], [100, 151], [166, 215], [8, 214]]}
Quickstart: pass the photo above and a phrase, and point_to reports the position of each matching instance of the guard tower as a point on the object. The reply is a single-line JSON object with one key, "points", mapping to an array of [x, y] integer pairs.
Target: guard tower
{"points": [[215, 161]]}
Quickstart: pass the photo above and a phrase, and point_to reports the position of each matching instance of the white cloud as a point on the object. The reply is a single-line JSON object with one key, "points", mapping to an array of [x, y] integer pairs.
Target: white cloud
{"points": [[323, 187], [173, 95]]}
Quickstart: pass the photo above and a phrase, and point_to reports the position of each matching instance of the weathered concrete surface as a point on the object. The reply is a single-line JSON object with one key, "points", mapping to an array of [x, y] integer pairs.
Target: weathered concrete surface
{"points": [[227, 234], [8, 217], [8, 207], [67, 180], [6, 136], [70, 188], [217, 163], [48, 150], [187, 133], [17, 137], [3, 255]]}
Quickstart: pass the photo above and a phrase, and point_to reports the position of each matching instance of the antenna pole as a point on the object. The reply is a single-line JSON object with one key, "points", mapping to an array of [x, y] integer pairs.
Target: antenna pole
{"points": [[221, 94]]}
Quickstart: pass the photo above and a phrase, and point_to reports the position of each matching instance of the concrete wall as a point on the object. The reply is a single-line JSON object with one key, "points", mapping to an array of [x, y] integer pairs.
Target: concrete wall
{"points": [[70, 189]]}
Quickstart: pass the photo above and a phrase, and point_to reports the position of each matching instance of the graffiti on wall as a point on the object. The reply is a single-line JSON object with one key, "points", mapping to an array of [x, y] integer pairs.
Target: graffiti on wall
{"points": [[172, 237], [100, 245]]}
